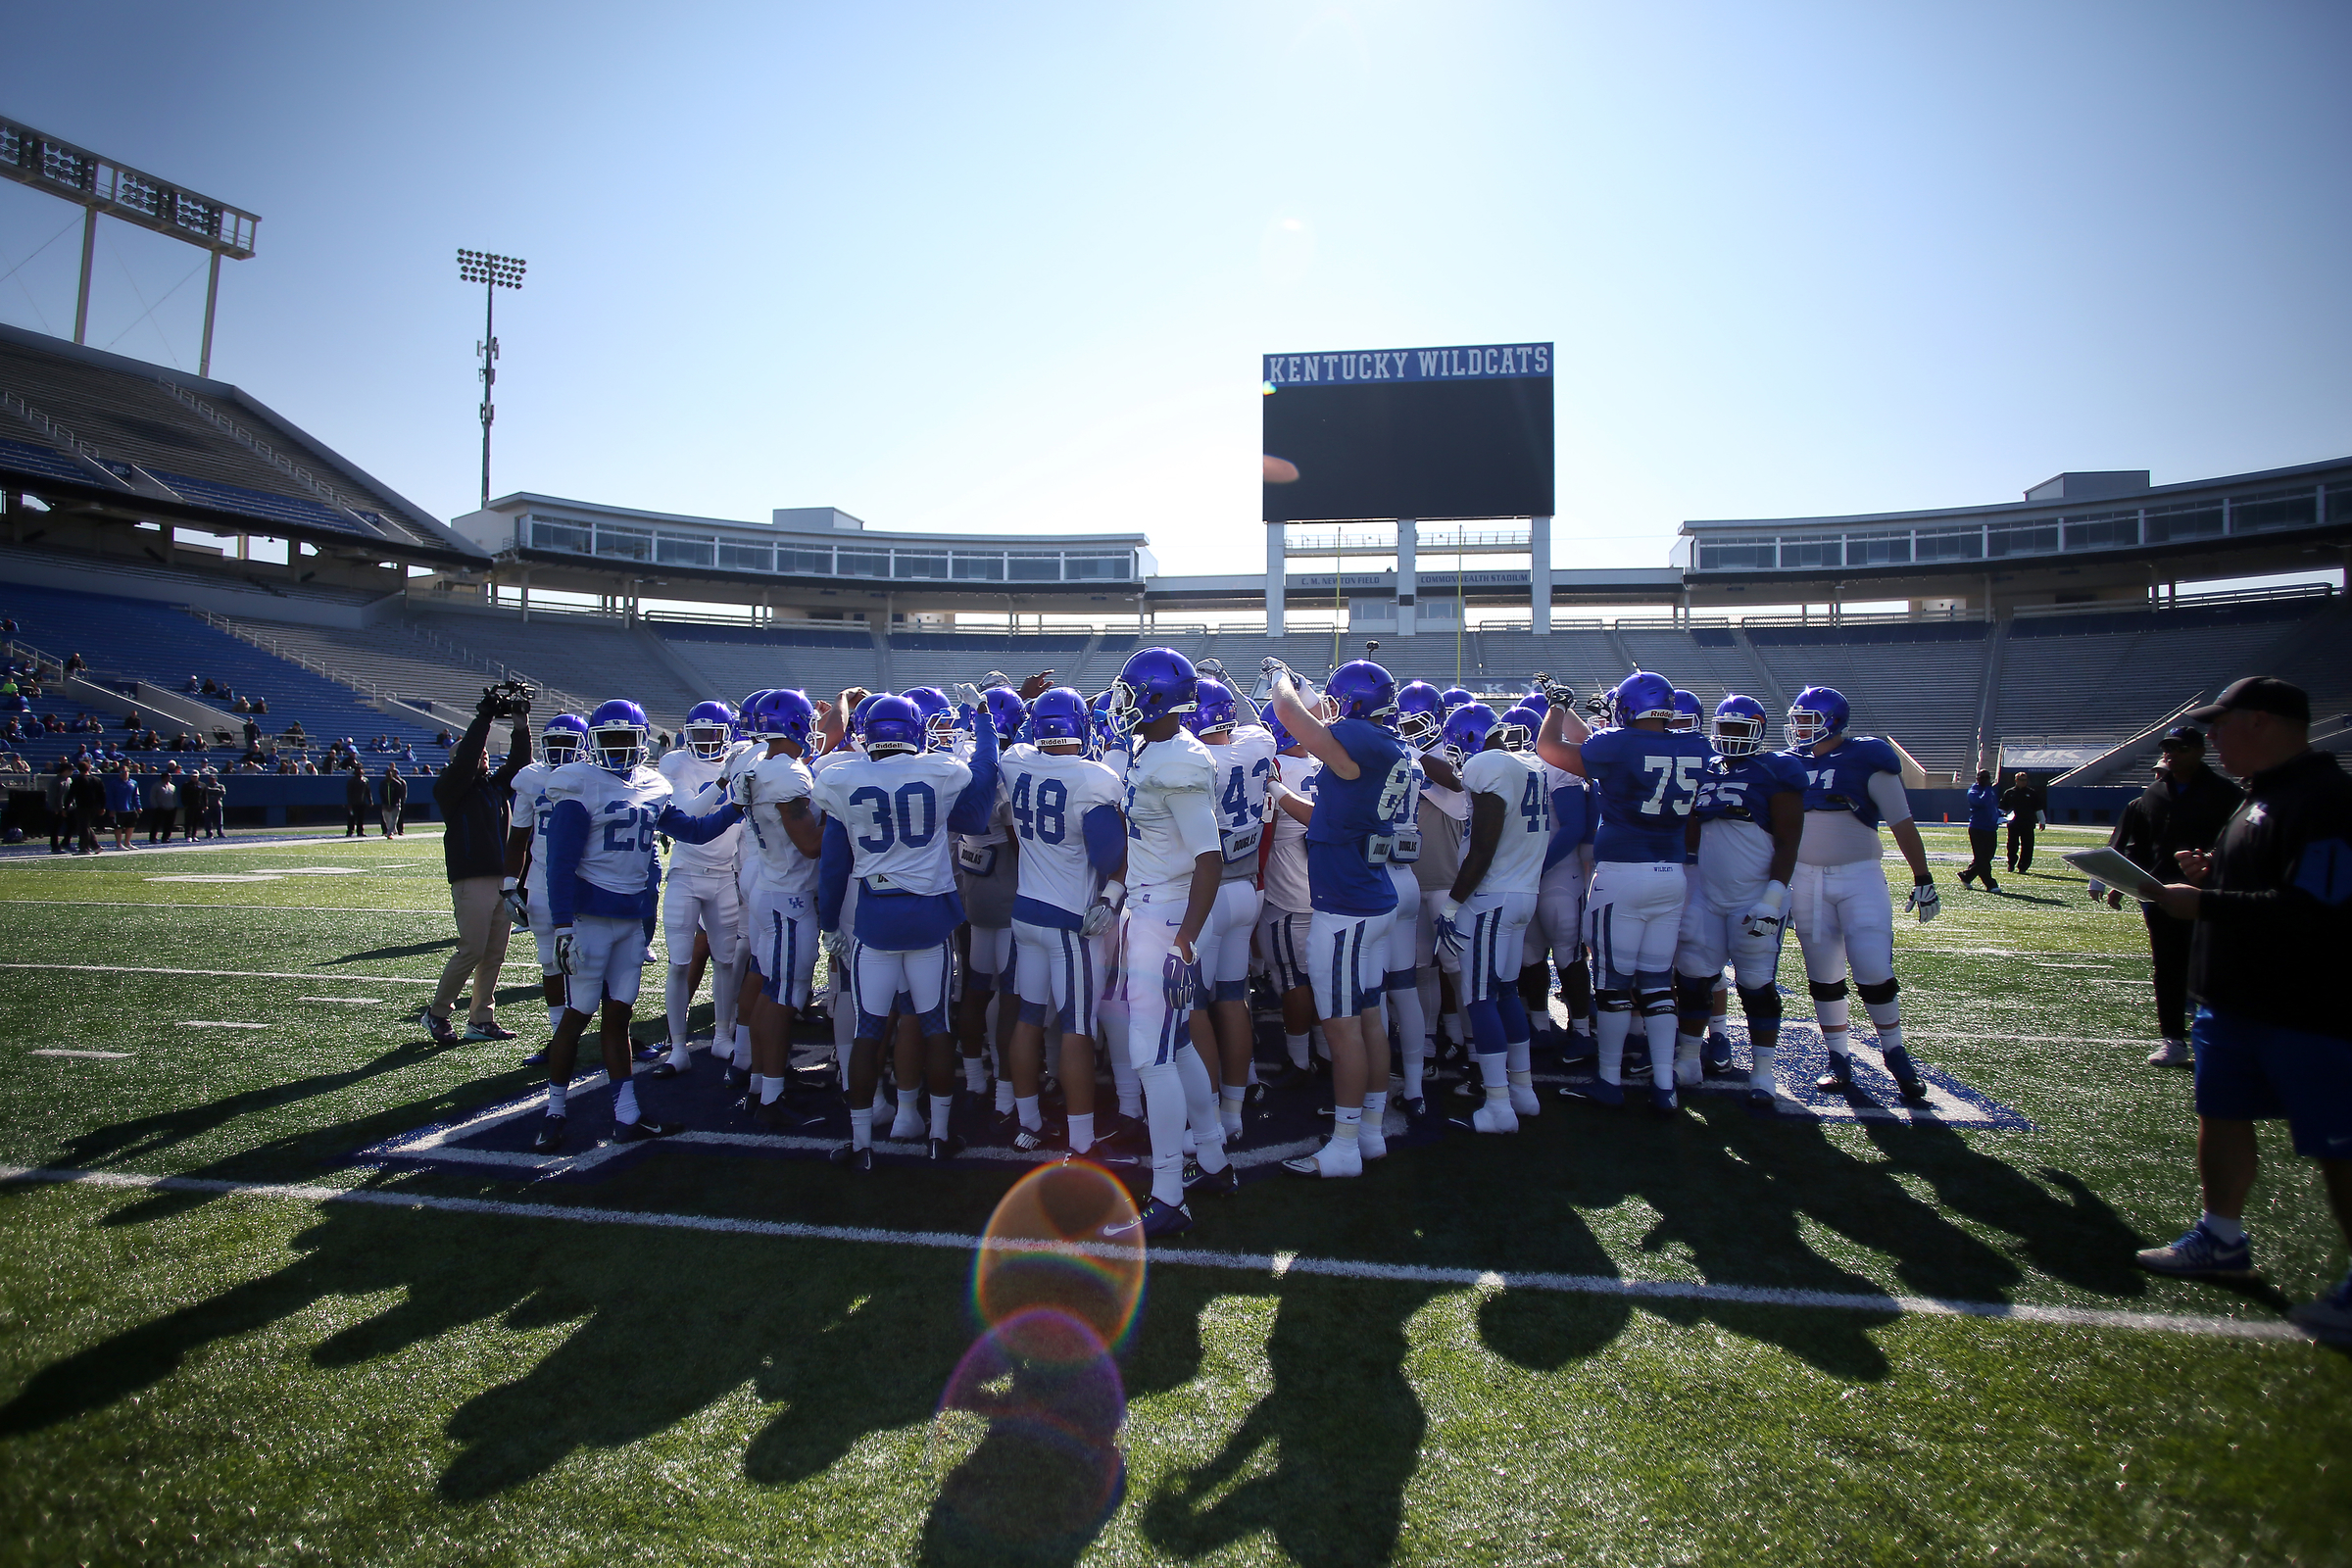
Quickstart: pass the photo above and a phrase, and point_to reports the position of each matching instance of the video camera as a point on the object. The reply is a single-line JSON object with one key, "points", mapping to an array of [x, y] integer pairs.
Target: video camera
{"points": [[508, 699]]}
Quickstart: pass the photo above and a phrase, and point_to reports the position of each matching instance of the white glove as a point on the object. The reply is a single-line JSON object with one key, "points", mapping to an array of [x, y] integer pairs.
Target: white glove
{"points": [[511, 891], [969, 695], [1558, 693], [1098, 916], [1926, 900], [1763, 917], [739, 788], [564, 953], [837, 947], [1451, 935]]}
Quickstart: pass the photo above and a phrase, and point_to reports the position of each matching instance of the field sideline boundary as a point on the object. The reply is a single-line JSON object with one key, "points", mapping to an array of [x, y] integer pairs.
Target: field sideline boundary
{"points": [[1266, 1265]]}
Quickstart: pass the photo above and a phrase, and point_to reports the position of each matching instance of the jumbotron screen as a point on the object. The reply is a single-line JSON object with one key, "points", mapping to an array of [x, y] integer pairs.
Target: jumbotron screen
{"points": [[1450, 432]]}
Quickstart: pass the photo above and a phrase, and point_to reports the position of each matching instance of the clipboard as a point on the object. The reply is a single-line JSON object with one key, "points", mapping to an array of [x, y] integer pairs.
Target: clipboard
{"points": [[2111, 867]]}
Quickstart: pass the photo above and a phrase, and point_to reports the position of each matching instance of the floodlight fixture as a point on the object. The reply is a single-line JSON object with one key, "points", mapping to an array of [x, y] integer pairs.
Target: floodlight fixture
{"points": [[103, 185], [493, 273]]}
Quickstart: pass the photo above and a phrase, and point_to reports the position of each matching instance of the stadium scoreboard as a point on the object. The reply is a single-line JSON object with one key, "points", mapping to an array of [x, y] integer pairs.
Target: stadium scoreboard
{"points": [[1427, 433]]}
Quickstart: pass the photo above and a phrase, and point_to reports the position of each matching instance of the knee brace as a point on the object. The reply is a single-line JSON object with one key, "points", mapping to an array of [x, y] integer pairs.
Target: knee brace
{"points": [[1878, 1002], [1695, 996], [1576, 986], [1827, 991], [1760, 1003], [1535, 983], [1610, 1000], [1660, 1005], [1829, 1005]]}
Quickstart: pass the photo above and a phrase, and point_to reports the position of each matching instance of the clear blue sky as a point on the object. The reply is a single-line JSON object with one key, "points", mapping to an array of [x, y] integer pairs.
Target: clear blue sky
{"points": [[1011, 266]]}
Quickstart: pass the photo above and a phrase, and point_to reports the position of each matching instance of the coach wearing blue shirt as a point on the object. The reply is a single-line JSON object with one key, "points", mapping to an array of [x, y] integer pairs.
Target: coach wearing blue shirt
{"points": [[1983, 830]]}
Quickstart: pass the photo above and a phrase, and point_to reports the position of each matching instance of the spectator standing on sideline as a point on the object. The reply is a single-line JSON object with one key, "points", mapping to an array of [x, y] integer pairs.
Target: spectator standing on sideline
{"points": [[474, 804], [1983, 830], [57, 792], [2183, 808], [216, 804], [2272, 911], [395, 802], [86, 797], [162, 807], [2027, 804], [122, 802], [357, 799]]}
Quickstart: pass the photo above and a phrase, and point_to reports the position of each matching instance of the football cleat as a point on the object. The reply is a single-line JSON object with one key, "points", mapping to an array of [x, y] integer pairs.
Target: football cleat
{"points": [[1132, 1135], [444, 1033], [1717, 1055], [1913, 1091], [735, 1080], [644, 1130], [537, 1059], [1254, 1095], [488, 1031], [666, 1069], [1599, 1092], [1220, 1184], [2329, 1318], [2172, 1054], [850, 1158], [1663, 1102], [550, 1136], [648, 1054], [1415, 1109], [778, 1116], [1763, 1102], [2200, 1252], [1579, 1046], [1334, 1159], [1839, 1079], [946, 1147], [1029, 1143], [1154, 1220], [1495, 1116]]}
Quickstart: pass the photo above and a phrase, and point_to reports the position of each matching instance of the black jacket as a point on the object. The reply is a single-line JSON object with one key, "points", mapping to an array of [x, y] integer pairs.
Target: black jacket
{"points": [[2174, 815], [2275, 916], [476, 806], [356, 793], [2027, 801], [396, 789]]}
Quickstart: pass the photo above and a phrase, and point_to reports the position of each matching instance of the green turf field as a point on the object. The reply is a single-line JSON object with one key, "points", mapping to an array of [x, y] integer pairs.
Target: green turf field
{"points": [[212, 1374]]}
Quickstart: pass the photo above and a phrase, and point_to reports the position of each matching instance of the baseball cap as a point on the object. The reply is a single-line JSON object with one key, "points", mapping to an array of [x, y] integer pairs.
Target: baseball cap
{"points": [[2258, 694], [2182, 735]]}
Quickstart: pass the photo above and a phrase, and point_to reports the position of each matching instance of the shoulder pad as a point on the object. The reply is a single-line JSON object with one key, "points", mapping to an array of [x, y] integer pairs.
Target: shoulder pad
{"points": [[1882, 756], [1179, 763]]}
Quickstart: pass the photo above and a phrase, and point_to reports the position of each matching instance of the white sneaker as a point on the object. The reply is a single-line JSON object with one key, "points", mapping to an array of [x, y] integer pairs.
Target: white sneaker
{"points": [[905, 1129], [1523, 1099], [2172, 1054], [1335, 1158], [1371, 1143]]}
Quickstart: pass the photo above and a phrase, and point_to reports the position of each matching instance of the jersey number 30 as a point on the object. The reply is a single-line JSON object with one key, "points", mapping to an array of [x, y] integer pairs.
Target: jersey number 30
{"points": [[916, 813]]}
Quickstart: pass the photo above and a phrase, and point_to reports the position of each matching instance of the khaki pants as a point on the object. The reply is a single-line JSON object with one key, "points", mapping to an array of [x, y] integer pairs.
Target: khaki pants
{"points": [[481, 948]]}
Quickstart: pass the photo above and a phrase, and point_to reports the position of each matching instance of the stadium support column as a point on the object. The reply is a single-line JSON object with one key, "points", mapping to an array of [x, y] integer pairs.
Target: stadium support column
{"points": [[89, 245], [1407, 541], [1277, 542], [1539, 573], [212, 298]]}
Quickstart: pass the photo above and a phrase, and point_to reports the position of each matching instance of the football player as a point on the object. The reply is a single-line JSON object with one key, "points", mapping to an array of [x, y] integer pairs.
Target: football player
{"points": [[1064, 809], [1285, 904], [1348, 840], [786, 839], [1647, 779], [1839, 898], [987, 874], [526, 851], [1244, 756], [1175, 870], [604, 879], [891, 815], [1420, 722], [1485, 913], [1750, 815], [1443, 816], [1559, 924], [700, 894], [745, 753]]}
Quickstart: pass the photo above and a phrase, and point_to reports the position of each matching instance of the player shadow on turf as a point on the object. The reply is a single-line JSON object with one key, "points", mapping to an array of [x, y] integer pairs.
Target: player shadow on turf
{"points": [[410, 951]]}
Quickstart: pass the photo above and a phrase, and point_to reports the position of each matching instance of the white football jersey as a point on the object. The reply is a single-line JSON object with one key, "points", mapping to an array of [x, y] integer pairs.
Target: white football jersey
{"points": [[531, 809], [1406, 825], [1441, 813], [895, 810], [623, 814], [689, 775], [1047, 798], [782, 867], [1171, 811], [1245, 767], [1571, 870], [1518, 864], [1286, 863]]}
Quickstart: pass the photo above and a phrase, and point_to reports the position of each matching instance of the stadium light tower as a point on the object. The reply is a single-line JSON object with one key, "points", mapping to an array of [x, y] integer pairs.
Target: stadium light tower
{"points": [[493, 272]]}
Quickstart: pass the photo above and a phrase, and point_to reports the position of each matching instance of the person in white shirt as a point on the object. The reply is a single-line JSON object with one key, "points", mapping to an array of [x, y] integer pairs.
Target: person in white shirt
{"points": [[525, 890], [1287, 906], [701, 898], [891, 814], [787, 837], [1243, 757], [1074, 857]]}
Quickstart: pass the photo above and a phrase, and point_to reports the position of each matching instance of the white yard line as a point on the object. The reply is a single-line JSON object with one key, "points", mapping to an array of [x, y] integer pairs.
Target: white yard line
{"points": [[1265, 1266], [229, 908], [93, 1056], [204, 846], [234, 974], [215, 1023]]}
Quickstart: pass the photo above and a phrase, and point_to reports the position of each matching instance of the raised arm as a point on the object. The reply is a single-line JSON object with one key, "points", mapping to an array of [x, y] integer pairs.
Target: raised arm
{"points": [[1308, 730], [1562, 740]]}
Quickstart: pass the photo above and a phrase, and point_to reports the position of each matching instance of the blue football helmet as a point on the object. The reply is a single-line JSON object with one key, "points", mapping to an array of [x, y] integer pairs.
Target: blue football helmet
{"points": [[895, 724], [1739, 724], [857, 718], [1155, 683], [1641, 695], [1466, 730], [1819, 712], [1362, 689], [743, 713], [1457, 696], [1213, 709], [563, 739], [1060, 715], [939, 716], [1535, 702], [1420, 714], [616, 734], [1686, 711], [783, 716], [1519, 725], [708, 730], [1005, 704]]}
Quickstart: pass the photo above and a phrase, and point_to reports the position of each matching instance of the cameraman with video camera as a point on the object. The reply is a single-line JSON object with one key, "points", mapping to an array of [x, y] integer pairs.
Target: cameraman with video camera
{"points": [[474, 804]]}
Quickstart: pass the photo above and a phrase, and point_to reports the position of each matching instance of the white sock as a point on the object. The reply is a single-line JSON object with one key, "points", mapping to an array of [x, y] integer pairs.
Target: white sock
{"points": [[1295, 1045], [677, 997], [771, 1089], [742, 1050], [624, 1104], [861, 1129], [1165, 1110], [1031, 1117], [726, 997], [681, 1055], [1347, 1122], [1760, 1075], [2227, 1229], [1230, 1108], [1609, 1034], [1082, 1132], [1005, 1096], [1719, 1023], [1659, 1028], [555, 1015], [975, 1074], [1129, 1083], [1376, 1105], [555, 1098], [910, 1108], [943, 1106], [1201, 1111], [1457, 1031]]}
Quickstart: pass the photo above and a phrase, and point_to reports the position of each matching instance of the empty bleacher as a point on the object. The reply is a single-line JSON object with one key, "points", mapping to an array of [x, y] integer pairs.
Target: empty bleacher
{"points": [[591, 659], [1918, 683]]}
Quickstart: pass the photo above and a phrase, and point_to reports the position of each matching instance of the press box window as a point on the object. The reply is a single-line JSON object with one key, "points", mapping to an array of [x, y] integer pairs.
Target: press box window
{"points": [[572, 536], [675, 549]]}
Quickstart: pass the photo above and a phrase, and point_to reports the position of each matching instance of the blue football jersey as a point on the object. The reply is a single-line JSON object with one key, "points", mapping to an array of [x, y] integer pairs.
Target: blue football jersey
{"points": [[1649, 782], [1841, 780], [1346, 872], [1738, 787]]}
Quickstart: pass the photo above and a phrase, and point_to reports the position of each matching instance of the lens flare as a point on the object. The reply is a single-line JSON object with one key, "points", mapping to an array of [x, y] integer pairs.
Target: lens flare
{"points": [[1025, 1443], [1044, 1249]]}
